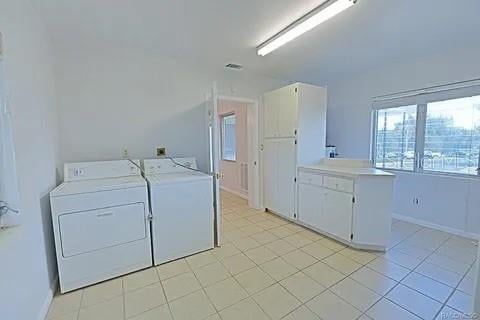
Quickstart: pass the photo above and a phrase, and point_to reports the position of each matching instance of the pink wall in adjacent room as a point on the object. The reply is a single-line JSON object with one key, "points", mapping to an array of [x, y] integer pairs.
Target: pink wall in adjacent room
{"points": [[231, 170]]}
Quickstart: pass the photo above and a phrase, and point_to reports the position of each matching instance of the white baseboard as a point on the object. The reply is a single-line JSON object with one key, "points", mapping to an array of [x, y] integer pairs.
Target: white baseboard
{"points": [[241, 195], [48, 300], [435, 226]]}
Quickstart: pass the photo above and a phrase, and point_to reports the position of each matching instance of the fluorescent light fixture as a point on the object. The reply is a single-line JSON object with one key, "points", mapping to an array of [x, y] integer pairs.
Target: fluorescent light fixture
{"points": [[304, 24]]}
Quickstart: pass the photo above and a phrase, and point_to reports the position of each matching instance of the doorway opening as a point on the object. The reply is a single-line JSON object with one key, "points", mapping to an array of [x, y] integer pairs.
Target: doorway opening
{"points": [[238, 139]]}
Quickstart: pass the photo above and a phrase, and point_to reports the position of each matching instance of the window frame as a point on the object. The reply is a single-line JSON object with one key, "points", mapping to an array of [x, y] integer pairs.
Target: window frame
{"points": [[421, 100], [222, 136]]}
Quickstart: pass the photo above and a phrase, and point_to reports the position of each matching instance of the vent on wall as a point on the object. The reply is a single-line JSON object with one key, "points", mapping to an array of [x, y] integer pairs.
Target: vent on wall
{"points": [[234, 66]]}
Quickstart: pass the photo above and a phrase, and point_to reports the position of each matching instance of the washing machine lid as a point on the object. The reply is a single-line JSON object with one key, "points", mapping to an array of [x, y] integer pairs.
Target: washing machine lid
{"points": [[97, 185], [177, 177]]}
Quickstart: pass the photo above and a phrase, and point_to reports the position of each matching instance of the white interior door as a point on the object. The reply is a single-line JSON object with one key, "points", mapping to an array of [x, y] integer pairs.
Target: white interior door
{"points": [[213, 133]]}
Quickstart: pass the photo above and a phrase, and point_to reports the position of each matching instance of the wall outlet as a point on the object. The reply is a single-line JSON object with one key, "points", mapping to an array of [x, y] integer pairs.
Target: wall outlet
{"points": [[161, 152], [125, 153]]}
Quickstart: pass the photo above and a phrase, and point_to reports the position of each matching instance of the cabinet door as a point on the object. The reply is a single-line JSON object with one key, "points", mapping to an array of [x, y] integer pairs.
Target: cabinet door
{"points": [[310, 204], [270, 115], [270, 174], [287, 109], [286, 169], [338, 211]]}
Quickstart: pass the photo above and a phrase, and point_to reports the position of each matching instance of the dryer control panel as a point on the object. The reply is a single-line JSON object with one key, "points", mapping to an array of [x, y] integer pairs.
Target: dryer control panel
{"points": [[100, 170]]}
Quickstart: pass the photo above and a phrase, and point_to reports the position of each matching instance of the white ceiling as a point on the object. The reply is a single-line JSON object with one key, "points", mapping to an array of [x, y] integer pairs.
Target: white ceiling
{"points": [[216, 32]]}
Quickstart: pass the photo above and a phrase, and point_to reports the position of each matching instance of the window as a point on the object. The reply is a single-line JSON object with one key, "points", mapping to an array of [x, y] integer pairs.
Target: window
{"points": [[437, 134], [452, 136], [228, 138], [395, 137]]}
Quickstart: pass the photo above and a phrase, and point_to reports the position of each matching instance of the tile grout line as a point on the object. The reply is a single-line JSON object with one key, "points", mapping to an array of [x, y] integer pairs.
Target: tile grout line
{"points": [[412, 271], [399, 281], [123, 299], [365, 265], [164, 293], [80, 306], [276, 282], [318, 260], [301, 270], [202, 287], [334, 284], [454, 290]]}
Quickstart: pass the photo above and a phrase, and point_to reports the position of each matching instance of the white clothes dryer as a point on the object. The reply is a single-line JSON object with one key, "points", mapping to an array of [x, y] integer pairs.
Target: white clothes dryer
{"points": [[101, 224]]}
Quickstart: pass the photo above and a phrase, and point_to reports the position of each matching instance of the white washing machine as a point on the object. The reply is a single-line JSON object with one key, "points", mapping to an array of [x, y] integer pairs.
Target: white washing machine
{"points": [[182, 208], [100, 219]]}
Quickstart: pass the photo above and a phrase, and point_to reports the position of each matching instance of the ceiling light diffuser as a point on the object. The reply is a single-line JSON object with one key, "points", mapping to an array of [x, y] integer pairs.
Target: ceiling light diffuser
{"points": [[304, 24]]}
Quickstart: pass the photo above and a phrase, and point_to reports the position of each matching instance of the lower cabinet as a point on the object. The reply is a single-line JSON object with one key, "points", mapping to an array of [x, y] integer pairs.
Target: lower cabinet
{"points": [[310, 204], [354, 210], [338, 214], [326, 210]]}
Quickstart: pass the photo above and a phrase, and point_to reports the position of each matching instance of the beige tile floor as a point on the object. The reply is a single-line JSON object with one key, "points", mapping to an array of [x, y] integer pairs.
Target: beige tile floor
{"points": [[269, 268]]}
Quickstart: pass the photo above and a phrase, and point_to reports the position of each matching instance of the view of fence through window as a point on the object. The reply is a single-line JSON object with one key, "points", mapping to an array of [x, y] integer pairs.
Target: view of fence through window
{"points": [[451, 142], [452, 137], [396, 129]]}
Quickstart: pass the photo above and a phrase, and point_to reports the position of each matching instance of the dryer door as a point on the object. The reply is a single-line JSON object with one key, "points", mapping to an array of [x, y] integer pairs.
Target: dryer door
{"points": [[92, 230]]}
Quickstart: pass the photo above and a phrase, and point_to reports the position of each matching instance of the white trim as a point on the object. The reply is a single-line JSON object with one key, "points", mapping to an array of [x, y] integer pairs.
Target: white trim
{"points": [[241, 195], [237, 99], [48, 300], [424, 223]]}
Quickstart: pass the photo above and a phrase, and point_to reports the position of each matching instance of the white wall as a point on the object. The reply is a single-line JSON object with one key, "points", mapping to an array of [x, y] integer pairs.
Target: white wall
{"points": [[451, 203], [231, 170], [110, 100], [27, 260]]}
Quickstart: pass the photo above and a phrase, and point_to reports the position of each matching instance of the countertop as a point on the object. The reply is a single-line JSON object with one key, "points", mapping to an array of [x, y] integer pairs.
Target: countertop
{"points": [[349, 171]]}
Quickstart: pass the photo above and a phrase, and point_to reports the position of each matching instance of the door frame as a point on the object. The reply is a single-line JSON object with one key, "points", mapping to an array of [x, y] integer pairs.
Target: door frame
{"points": [[213, 150], [253, 138]]}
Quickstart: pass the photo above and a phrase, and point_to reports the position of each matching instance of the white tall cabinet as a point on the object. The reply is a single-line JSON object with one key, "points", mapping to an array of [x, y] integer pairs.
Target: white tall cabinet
{"points": [[294, 133]]}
